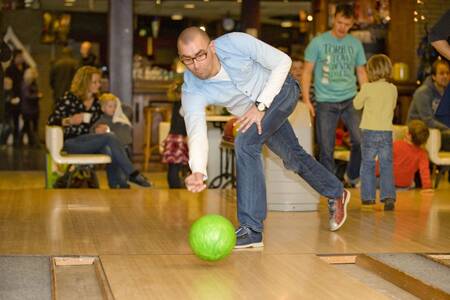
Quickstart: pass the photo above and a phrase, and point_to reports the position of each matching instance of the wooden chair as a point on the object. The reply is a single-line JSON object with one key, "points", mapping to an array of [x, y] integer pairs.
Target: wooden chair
{"points": [[149, 111]]}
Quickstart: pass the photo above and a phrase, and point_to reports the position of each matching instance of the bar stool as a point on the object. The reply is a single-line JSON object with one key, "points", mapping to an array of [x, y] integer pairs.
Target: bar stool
{"points": [[166, 112]]}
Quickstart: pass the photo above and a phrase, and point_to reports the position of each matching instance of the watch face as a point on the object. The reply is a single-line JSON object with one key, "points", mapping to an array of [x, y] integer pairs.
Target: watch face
{"points": [[261, 107]]}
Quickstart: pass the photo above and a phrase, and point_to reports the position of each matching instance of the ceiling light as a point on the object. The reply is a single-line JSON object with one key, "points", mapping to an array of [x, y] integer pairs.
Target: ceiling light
{"points": [[177, 17], [203, 28], [189, 6], [68, 4], [286, 24], [309, 18]]}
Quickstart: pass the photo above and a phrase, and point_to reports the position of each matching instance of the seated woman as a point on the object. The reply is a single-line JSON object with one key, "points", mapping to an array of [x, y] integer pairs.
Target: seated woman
{"points": [[76, 111]]}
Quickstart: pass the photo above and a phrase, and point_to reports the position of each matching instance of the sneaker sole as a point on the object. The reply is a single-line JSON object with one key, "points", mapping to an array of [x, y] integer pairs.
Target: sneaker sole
{"points": [[131, 183], [252, 245], [346, 201]]}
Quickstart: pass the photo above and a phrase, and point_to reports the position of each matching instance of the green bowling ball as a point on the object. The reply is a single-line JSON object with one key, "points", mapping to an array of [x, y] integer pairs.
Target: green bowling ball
{"points": [[212, 237]]}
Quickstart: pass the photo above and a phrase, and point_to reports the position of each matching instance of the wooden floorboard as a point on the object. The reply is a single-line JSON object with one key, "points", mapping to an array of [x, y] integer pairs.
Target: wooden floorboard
{"points": [[156, 221], [244, 275], [140, 236]]}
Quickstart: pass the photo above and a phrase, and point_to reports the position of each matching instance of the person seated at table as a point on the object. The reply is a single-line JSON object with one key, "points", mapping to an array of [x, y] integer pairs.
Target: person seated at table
{"points": [[76, 112]]}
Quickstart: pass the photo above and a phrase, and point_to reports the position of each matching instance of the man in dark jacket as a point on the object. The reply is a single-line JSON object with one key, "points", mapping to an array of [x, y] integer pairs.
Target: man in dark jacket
{"points": [[87, 57], [62, 72], [427, 101]]}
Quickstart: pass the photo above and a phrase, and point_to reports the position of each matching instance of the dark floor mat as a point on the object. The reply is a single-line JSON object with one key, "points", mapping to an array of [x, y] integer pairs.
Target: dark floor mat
{"points": [[25, 277]]}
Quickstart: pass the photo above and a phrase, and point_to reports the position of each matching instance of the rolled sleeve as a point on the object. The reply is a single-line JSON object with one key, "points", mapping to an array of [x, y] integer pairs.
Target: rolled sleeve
{"points": [[194, 117]]}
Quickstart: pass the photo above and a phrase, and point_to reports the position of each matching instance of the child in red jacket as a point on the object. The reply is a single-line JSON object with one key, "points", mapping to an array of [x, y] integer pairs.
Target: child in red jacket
{"points": [[410, 157]]}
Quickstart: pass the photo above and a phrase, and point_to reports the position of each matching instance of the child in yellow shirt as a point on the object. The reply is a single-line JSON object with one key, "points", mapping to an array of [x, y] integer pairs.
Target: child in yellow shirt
{"points": [[378, 99]]}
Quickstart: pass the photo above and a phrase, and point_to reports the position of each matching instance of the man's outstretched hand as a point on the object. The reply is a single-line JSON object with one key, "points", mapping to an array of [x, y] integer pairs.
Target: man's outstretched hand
{"points": [[195, 183]]}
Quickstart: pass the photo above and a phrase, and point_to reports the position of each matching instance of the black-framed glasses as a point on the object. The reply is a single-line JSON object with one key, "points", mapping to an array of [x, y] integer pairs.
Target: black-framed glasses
{"points": [[201, 56]]}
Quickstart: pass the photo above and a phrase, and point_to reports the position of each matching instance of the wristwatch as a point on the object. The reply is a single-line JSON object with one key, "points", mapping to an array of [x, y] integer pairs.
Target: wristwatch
{"points": [[260, 106]]}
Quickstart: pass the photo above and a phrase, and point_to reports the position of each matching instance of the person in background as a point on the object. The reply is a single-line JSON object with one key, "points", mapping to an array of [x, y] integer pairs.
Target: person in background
{"points": [[175, 152], [29, 106], [15, 71], [12, 113], [427, 101], [378, 98], [115, 120], [76, 112], [62, 72], [410, 157], [5, 55], [440, 34], [334, 58], [297, 67], [87, 57]]}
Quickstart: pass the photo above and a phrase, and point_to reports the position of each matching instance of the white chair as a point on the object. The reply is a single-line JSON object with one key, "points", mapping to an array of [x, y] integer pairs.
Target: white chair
{"points": [[54, 141], [437, 157]]}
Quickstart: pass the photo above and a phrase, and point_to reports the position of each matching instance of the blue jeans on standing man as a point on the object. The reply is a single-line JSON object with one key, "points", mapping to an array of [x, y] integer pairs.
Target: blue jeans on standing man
{"points": [[278, 135], [328, 114], [377, 143], [120, 167]]}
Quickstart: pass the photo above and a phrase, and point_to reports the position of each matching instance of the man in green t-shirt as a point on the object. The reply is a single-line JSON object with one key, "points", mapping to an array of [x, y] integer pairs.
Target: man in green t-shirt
{"points": [[333, 57]]}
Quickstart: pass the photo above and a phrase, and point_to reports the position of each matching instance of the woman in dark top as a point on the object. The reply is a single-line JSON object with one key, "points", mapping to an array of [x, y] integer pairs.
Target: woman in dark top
{"points": [[76, 111], [175, 152]]}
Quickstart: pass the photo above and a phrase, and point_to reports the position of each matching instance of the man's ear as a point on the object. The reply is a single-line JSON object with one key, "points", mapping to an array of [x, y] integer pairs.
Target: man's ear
{"points": [[213, 47]]}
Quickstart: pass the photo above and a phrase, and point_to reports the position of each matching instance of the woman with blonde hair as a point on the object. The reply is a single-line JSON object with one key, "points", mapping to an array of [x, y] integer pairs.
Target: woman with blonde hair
{"points": [[29, 106], [76, 112]]}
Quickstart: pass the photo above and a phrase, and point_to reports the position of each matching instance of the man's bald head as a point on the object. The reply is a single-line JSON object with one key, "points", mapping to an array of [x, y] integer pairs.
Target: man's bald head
{"points": [[85, 48], [192, 34], [197, 52]]}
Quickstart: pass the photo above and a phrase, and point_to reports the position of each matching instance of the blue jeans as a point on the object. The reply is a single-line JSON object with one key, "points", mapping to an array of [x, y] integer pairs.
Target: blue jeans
{"points": [[279, 136], [377, 143], [328, 115], [120, 167]]}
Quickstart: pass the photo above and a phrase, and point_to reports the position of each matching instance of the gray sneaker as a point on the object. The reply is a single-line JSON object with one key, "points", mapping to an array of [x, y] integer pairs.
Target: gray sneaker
{"points": [[389, 203], [248, 238], [338, 210]]}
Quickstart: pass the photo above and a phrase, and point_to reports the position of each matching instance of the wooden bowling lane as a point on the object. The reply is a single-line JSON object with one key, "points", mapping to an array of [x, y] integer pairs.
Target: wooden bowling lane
{"points": [[156, 221], [243, 275]]}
